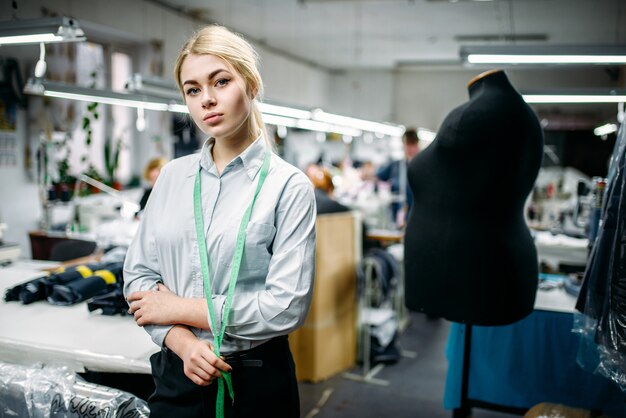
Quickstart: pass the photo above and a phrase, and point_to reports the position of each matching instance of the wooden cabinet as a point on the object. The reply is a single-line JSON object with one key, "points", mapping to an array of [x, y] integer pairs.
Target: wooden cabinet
{"points": [[327, 343]]}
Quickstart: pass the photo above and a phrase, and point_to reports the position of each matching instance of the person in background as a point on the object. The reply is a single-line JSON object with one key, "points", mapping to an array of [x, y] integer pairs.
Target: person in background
{"points": [[367, 172], [325, 202], [231, 229], [150, 174], [323, 185], [393, 171]]}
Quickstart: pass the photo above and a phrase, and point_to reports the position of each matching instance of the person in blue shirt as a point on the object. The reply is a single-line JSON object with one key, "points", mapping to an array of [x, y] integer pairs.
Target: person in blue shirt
{"points": [[393, 171]]}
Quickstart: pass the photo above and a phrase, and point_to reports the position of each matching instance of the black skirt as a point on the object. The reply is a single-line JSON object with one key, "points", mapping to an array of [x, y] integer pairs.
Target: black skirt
{"points": [[264, 382]]}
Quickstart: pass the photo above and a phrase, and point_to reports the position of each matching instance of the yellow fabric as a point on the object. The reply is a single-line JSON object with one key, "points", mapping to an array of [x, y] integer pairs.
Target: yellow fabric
{"points": [[106, 275], [84, 271]]}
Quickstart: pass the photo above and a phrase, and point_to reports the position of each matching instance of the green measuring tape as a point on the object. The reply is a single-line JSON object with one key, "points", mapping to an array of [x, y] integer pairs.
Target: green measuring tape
{"points": [[218, 336]]}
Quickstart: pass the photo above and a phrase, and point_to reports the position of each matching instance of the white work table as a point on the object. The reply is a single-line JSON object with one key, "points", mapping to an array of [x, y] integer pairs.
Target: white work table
{"points": [[555, 300], [68, 335]]}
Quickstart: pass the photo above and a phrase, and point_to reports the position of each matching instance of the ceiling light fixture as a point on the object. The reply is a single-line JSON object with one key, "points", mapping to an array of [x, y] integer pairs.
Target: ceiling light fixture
{"points": [[360, 124], [275, 114], [46, 30], [314, 125], [279, 120], [612, 96], [272, 114], [47, 88], [289, 112], [544, 54], [152, 86], [606, 129]]}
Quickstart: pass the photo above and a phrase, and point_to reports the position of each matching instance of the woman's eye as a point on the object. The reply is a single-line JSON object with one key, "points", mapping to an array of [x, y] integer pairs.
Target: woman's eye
{"points": [[192, 91], [222, 82]]}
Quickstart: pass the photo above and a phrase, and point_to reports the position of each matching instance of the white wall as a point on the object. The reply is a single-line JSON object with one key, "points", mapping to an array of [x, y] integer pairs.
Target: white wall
{"points": [[363, 94], [19, 199], [293, 83]]}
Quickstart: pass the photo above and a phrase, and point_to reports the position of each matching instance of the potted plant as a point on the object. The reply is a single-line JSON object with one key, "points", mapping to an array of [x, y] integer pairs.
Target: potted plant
{"points": [[64, 184], [111, 160]]}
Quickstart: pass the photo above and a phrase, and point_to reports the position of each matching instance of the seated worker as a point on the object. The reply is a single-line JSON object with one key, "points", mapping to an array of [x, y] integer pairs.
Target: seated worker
{"points": [[150, 174], [323, 184], [323, 188]]}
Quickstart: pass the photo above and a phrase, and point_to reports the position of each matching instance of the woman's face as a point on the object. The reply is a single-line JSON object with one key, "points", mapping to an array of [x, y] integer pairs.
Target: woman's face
{"points": [[216, 98], [153, 175]]}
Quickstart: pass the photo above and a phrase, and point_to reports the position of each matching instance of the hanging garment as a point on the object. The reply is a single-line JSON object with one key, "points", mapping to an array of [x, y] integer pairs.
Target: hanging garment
{"points": [[603, 295]]}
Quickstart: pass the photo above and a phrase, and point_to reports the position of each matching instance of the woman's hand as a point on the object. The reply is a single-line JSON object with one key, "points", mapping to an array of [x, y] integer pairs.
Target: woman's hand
{"points": [[202, 366], [164, 307], [154, 307]]}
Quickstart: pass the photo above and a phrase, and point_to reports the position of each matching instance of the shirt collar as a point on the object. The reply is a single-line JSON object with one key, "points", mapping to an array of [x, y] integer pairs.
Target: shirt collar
{"points": [[251, 158]]}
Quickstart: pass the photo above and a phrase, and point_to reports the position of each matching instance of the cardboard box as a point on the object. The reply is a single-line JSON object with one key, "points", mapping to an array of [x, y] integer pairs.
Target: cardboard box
{"points": [[327, 344]]}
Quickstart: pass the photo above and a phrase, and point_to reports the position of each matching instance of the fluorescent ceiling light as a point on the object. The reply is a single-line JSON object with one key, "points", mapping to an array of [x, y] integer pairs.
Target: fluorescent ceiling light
{"points": [[159, 87], [603, 130], [309, 125], [576, 97], [62, 91], [46, 30], [284, 111], [153, 86], [275, 114], [545, 59], [278, 120], [46, 88], [177, 108], [314, 125], [544, 54], [272, 114], [360, 124]]}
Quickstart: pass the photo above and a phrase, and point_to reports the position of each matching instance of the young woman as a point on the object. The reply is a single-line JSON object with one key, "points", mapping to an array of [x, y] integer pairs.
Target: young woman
{"points": [[222, 266]]}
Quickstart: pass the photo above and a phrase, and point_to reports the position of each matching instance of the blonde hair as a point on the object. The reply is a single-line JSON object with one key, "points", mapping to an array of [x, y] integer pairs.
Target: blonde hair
{"points": [[158, 162], [237, 53]]}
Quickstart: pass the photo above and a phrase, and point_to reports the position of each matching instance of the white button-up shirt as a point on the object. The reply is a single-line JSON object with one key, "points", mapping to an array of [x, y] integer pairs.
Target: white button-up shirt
{"points": [[275, 283]]}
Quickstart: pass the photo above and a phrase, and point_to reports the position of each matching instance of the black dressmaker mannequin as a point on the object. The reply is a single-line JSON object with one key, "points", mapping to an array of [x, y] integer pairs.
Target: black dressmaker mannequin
{"points": [[469, 256]]}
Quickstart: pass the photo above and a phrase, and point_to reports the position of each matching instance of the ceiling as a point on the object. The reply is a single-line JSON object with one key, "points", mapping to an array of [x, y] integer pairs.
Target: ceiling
{"points": [[387, 34]]}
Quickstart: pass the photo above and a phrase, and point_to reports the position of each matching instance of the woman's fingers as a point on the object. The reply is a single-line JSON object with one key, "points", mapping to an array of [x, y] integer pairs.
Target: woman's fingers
{"points": [[208, 365], [202, 366], [219, 364], [197, 372], [197, 379], [216, 362]]}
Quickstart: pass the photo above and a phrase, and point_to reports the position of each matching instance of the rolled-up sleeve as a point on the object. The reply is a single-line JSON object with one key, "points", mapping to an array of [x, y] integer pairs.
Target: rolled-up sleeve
{"points": [[283, 304]]}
